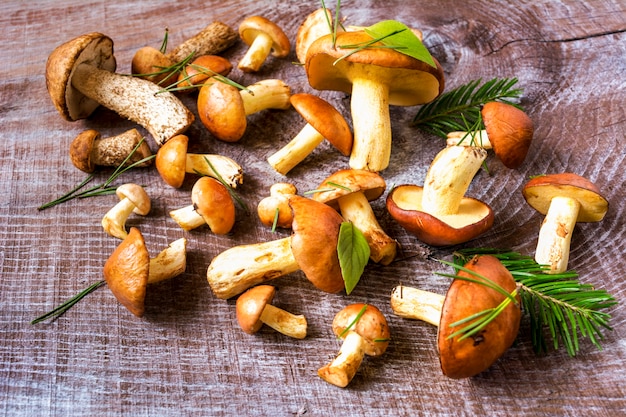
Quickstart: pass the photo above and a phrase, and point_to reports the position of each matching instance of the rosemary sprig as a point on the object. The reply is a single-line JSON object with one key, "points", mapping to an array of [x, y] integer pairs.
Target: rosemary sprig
{"points": [[230, 189], [448, 111], [369, 44], [61, 309], [353, 322]]}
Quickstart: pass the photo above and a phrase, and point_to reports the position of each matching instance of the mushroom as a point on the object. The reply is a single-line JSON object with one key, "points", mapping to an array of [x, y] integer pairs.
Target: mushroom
{"points": [[254, 308], [316, 25], [156, 66], [376, 78], [129, 269], [202, 70], [80, 77], [312, 248], [438, 213], [90, 150], [263, 37], [223, 108], [275, 207], [472, 355], [508, 131], [323, 122], [350, 191], [212, 205], [133, 199], [173, 162], [364, 331], [564, 199]]}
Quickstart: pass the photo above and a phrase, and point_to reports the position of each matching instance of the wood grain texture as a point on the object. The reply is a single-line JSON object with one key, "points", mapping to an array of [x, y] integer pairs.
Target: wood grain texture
{"points": [[187, 355]]}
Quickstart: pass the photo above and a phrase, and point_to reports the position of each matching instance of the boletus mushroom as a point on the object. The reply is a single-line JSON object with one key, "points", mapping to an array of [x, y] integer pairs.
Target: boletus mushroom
{"points": [[465, 357], [89, 150], [263, 37]]}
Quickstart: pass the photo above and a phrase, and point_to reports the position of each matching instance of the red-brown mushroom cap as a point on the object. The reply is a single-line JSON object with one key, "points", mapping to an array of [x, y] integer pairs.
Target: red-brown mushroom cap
{"points": [[347, 181], [250, 305], [314, 242], [371, 326], [80, 150], [510, 132], [213, 202], [253, 25], [540, 191], [126, 272], [222, 111], [472, 355], [171, 160], [202, 68]]}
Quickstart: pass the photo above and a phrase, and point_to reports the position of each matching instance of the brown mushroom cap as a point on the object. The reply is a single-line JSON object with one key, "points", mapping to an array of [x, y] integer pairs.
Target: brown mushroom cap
{"points": [[253, 25], [203, 68], [371, 326], [126, 272], [314, 242], [325, 119], [510, 132], [468, 357], [473, 219], [250, 305], [222, 111], [540, 191], [148, 63], [347, 181], [94, 49], [213, 202], [171, 160], [277, 202], [80, 150]]}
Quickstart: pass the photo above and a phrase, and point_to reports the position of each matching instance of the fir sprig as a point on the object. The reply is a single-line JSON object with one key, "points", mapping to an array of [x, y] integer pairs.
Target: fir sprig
{"points": [[69, 303], [453, 110]]}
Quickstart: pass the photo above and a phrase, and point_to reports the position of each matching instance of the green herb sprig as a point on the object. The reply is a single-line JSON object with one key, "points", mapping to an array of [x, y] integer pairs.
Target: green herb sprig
{"points": [[61, 309], [230, 189]]}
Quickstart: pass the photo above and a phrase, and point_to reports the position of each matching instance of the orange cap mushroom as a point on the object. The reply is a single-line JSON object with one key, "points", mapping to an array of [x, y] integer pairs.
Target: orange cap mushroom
{"points": [[275, 207]]}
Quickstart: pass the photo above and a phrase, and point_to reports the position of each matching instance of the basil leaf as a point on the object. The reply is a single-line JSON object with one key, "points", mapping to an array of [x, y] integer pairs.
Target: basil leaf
{"points": [[354, 252], [404, 41]]}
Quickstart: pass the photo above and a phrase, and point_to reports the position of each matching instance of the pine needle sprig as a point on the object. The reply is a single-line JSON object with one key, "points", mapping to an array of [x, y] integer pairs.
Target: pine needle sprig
{"points": [[453, 110]]}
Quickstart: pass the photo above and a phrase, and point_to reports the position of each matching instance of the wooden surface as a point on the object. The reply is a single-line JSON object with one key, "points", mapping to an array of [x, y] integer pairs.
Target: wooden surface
{"points": [[187, 356]]}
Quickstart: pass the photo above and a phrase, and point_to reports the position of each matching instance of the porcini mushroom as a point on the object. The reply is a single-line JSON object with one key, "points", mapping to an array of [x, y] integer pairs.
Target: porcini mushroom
{"points": [[350, 191], [133, 199], [438, 213], [90, 150], [274, 210], [376, 78], [254, 308], [364, 331], [508, 131], [264, 37], [323, 122], [312, 248], [223, 108], [212, 205], [80, 77], [202, 70], [173, 162], [465, 357], [129, 269], [564, 199]]}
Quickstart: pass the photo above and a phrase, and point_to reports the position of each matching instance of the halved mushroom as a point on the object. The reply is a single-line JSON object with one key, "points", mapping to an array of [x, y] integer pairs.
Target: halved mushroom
{"points": [[133, 199], [90, 150], [263, 36]]}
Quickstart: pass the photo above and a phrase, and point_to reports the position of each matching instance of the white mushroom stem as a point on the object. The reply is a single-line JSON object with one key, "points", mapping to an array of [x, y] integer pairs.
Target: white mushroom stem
{"points": [[187, 217], [257, 53], [296, 150], [555, 235], [114, 221], [449, 177], [372, 126], [356, 208], [477, 138], [342, 369], [169, 263], [141, 101], [241, 267], [266, 94], [413, 303], [292, 325], [223, 166]]}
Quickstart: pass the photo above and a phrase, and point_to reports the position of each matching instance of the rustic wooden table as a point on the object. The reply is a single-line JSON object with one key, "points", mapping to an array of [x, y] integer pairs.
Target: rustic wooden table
{"points": [[187, 356]]}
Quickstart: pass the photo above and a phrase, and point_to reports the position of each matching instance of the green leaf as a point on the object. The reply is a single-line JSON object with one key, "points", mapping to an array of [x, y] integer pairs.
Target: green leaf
{"points": [[398, 36], [354, 252]]}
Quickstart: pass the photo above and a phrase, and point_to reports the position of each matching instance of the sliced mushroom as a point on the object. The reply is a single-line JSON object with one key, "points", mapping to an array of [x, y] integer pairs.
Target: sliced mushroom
{"points": [[89, 150]]}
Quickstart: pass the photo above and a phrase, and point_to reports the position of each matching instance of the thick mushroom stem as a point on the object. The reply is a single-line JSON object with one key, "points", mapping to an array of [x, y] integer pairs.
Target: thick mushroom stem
{"points": [[143, 102], [187, 217], [257, 53], [241, 267], [169, 263], [211, 40], [342, 369], [113, 150], [555, 235], [372, 126], [296, 150], [478, 138], [355, 208], [266, 94], [292, 325], [413, 303], [216, 166]]}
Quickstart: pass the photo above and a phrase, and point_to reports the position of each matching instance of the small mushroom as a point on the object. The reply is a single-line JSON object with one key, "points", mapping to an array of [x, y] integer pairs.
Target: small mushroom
{"points": [[254, 308], [312, 248], [90, 150], [472, 355], [438, 213], [275, 207], [350, 191], [202, 70], [364, 331], [323, 122], [133, 199], [80, 77], [508, 131], [212, 205], [173, 162], [129, 269], [375, 78], [263, 36], [564, 199], [223, 108]]}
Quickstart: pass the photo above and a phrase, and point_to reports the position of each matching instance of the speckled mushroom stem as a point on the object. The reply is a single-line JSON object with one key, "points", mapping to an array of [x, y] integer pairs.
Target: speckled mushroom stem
{"points": [[112, 151], [555, 235], [413, 303], [213, 39]]}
